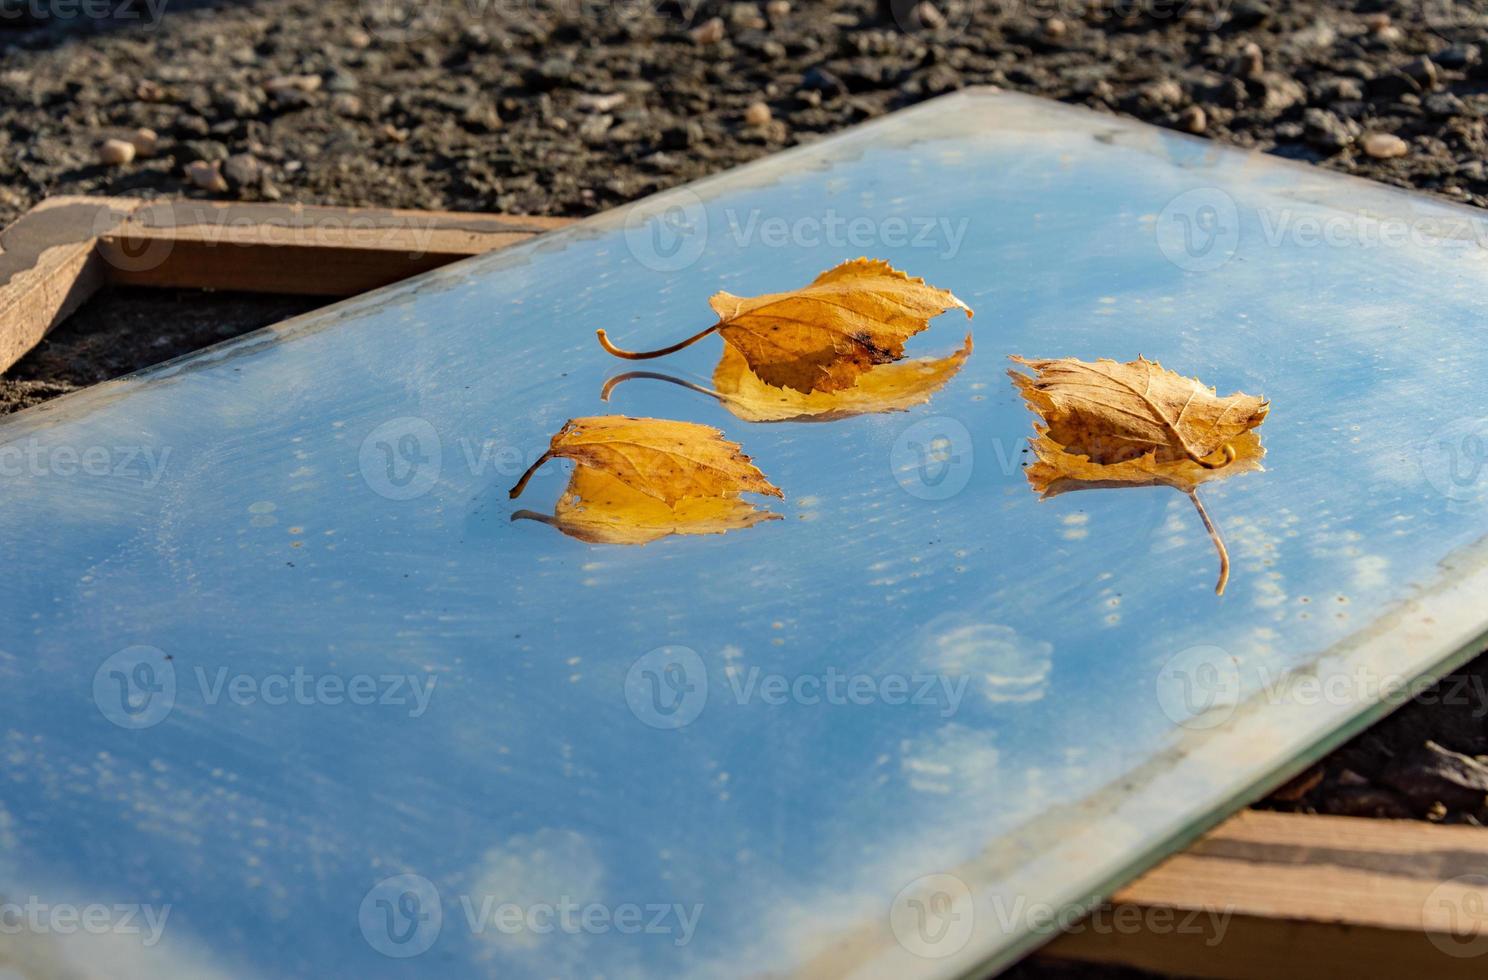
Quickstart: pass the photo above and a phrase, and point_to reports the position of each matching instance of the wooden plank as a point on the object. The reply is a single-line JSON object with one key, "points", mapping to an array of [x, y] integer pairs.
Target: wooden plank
{"points": [[1279, 895], [57, 255], [48, 267], [315, 251]]}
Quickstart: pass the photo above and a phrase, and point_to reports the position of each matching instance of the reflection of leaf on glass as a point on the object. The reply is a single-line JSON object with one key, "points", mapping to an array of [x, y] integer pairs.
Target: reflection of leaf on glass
{"points": [[822, 337], [661, 458], [885, 388], [637, 480], [1107, 424], [599, 509]]}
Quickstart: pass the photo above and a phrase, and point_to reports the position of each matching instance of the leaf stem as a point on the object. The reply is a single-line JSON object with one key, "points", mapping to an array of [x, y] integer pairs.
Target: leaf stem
{"points": [[617, 380], [516, 491], [1219, 545], [531, 515], [604, 342]]}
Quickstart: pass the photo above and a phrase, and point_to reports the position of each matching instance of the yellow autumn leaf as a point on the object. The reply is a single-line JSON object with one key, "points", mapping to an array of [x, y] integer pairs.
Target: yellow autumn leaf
{"points": [[1106, 424], [886, 388], [1059, 471], [660, 458], [600, 509], [823, 336]]}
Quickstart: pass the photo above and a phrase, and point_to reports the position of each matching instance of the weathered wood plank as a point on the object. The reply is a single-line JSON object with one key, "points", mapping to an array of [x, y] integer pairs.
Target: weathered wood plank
{"points": [[1278, 895], [57, 255]]}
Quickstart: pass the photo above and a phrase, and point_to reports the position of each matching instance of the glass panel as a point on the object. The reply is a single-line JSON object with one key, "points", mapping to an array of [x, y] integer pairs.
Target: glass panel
{"points": [[277, 660]]}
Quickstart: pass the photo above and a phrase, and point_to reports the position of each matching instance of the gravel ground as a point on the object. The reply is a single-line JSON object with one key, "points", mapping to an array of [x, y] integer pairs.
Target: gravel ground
{"points": [[574, 106], [571, 107]]}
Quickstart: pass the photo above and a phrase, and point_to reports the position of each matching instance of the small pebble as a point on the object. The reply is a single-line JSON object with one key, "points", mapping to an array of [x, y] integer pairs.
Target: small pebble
{"points": [[145, 142], [746, 17], [1054, 27], [1252, 61], [927, 15], [708, 32], [148, 91], [1163, 93], [1385, 146], [242, 170], [207, 176], [116, 153], [341, 81], [346, 104], [601, 102], [1380, 26], [758, 114], [293, 83], [1193, 119], [777, 9]]}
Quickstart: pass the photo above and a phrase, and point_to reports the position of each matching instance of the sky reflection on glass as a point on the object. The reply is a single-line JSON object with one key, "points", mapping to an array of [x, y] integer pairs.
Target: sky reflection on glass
{"points": [[1047, 693]]}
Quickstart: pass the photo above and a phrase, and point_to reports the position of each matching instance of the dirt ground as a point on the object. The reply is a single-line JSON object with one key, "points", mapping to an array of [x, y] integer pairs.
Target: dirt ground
{"points": [[571, 107]]}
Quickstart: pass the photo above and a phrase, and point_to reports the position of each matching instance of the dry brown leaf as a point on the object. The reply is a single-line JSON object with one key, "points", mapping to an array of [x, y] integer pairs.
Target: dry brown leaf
{"points": [[660, 458], [885, 388], [1112, 412], [599, 509], [1107, 424], [822, 337]]}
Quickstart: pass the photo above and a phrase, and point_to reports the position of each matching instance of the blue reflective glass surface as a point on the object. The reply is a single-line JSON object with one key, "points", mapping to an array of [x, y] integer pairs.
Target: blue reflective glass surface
{"points": [[284, 691]]}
